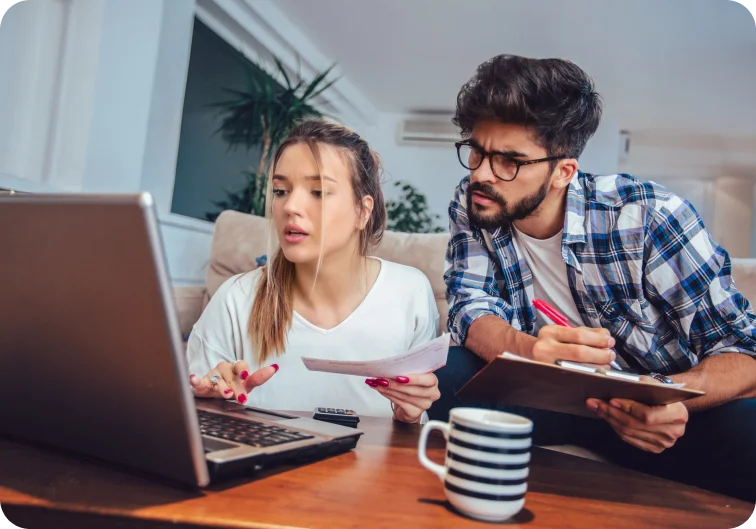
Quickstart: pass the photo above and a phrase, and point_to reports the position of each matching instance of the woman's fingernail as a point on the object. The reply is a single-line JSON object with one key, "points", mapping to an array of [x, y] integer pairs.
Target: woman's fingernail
{"points": [[242, 398], [382, 382], [370, 382], [274, 366], [612, 342], [402, 380], [244, 374], [592, 405], [226, 392]]}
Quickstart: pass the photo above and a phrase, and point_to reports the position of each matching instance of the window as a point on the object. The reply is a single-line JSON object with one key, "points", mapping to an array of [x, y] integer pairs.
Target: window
{"points": [[206, 166]]}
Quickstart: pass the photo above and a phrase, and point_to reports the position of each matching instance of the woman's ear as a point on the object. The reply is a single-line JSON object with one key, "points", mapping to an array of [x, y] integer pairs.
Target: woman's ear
{"points": [[366, 210]]}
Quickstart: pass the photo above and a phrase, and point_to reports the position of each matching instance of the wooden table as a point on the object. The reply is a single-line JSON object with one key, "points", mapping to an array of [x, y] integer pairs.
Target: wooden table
{"points": [[380, 484]]}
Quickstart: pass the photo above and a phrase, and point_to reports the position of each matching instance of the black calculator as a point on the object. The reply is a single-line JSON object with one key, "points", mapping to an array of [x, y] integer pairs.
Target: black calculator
{"points": [[340, 416]]}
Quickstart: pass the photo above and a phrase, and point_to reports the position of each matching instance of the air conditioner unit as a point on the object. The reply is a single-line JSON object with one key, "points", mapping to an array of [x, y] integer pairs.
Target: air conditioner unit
{"points": [[417, 130]]}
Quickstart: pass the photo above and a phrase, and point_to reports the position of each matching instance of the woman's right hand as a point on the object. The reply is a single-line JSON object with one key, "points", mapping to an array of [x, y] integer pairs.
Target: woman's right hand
{"points": [[234, 381]]}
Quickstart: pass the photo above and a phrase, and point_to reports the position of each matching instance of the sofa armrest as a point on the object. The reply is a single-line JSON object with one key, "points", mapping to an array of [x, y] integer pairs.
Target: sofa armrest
{"points": [[188, 306]]}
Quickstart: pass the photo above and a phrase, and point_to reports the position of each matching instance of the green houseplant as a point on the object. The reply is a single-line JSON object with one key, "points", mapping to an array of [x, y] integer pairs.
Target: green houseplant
{"points": [[410, 212], [260, 116]]}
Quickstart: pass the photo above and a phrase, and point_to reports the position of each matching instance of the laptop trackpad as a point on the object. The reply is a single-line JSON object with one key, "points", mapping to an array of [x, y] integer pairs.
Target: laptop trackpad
{"points": [[213, 445]]}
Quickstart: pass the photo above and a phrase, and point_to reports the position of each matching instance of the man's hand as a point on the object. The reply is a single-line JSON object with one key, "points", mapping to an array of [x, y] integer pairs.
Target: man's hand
{"points": [[650, 428], [579, 344]]}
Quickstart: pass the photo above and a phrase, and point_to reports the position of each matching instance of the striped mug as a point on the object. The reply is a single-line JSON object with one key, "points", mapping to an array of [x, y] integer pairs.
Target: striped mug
{"points": [[487, 456]]}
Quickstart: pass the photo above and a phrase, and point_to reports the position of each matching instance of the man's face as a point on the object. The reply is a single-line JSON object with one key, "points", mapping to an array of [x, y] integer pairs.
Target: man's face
{"points": [[493, 203]]}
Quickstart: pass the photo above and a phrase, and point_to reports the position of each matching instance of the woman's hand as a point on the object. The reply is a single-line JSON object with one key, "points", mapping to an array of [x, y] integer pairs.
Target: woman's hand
{"points": [[233, 381], [410, 396]]}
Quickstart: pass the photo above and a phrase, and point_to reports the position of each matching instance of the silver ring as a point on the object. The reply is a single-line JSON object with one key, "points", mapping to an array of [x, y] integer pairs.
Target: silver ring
{"points": [[214, 381]]}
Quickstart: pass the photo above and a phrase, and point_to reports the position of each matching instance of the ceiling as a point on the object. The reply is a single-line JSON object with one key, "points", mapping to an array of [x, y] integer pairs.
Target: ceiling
{"points": [[672, 64]]}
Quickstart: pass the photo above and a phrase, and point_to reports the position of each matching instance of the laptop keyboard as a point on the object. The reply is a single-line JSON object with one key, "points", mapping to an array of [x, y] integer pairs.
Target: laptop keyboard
{"points": [[246, 432]]}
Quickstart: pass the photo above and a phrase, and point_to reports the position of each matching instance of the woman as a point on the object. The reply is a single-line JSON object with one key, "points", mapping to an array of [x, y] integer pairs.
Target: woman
{"points": [[321, 295]]}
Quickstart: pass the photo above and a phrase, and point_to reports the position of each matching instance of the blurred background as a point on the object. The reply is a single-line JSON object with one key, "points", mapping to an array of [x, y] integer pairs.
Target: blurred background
{"points": [[166, 96]]}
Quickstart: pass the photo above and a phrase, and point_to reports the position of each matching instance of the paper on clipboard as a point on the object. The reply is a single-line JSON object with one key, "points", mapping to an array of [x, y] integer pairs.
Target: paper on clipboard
{"points": [[421, 359], [599, 370]]}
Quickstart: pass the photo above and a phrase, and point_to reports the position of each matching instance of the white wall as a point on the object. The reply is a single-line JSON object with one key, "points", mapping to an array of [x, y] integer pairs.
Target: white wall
{"points": [[715, 173], [90, 101]]}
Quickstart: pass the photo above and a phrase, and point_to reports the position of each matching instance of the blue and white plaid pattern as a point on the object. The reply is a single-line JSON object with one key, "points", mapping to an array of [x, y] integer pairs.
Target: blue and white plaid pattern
{"points": [[639, 262]]}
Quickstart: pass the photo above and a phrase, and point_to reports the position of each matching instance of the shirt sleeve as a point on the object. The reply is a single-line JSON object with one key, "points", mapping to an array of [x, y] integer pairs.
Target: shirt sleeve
{"points": [[212, 339], [471, 287], [688, 277]]}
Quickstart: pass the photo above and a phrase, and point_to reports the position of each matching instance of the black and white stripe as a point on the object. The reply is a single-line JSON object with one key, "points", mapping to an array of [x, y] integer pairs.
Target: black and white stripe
{"points": [[487, 433], [488, 449], [485, 464], [483, 496], [488, 481], [501, 460]]}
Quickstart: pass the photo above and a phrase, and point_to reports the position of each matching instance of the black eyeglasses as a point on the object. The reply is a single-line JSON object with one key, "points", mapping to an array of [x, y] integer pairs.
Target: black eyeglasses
{"points": [[503, 166]]}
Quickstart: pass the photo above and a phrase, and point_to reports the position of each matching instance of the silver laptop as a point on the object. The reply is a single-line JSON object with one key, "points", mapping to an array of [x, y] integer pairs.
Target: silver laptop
{"points": [[91, 357]]}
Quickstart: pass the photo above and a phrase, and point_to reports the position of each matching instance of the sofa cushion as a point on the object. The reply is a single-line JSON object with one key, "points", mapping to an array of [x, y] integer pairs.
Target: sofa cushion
{"points": [[240, 238], [238, 241]]}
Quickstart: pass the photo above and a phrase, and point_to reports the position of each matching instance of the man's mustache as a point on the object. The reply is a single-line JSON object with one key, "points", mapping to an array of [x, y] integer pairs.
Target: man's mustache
{"points": [[488, 191]]}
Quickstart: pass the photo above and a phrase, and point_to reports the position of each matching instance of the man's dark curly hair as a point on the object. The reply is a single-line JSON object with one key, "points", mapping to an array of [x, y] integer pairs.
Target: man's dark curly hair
{"points": [[552, 97]]}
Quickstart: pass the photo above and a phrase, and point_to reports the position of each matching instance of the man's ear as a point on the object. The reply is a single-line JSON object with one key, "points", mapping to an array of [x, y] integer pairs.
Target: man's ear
{"points": [[563, 173], [366, 209]]}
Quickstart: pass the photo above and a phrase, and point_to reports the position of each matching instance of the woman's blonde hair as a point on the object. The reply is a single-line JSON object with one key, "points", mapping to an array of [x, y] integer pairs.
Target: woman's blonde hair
{"points": [[273, 308]]}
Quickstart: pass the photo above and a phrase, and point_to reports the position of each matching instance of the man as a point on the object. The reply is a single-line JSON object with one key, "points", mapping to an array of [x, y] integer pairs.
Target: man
{"points": [[629, 264]]}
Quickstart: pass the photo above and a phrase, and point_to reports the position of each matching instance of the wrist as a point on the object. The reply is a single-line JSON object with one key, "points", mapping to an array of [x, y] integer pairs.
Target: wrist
{"points": [[522, 344], [401, 416], [693, 379]]}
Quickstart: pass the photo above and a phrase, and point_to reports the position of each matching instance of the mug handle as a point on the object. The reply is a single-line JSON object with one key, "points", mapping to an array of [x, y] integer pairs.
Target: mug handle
{"points": [[437, 469]]}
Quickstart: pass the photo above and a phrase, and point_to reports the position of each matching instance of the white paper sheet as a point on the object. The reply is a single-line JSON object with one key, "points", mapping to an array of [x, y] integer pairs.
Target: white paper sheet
{"points": [[421, 359]]}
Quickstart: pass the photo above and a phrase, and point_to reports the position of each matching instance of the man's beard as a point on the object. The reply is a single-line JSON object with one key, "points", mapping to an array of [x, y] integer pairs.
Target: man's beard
{"points": [[506, 214]]}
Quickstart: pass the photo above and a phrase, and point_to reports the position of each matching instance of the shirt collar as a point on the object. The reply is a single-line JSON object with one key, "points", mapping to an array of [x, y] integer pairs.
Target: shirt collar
{"points": [[574, 217]]}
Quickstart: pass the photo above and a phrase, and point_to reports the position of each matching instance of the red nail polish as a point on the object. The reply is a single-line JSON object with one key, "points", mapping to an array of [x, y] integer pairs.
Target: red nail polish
{"points": [[275, 366], [242, 398], [402, 380], [369, 382], [227, 392], [244, 374], [382, 382]]}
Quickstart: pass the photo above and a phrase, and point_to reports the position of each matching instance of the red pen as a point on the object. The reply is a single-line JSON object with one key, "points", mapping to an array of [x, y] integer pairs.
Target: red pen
{"points": [[554, 315]]}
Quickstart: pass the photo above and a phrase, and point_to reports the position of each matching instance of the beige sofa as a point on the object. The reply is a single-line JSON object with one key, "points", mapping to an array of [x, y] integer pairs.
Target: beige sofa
{"points": [[239, 239]]}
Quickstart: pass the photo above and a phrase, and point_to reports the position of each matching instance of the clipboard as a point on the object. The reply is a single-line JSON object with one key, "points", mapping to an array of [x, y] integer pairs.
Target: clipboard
{"points": [[509, 379]]}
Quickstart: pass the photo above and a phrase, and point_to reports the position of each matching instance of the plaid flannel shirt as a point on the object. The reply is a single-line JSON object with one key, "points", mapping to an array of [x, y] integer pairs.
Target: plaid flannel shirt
{"points": [[640, 263]]}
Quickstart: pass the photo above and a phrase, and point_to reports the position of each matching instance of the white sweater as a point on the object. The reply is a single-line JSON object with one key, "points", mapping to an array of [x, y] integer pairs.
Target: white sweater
{"points": [[398, 313]]}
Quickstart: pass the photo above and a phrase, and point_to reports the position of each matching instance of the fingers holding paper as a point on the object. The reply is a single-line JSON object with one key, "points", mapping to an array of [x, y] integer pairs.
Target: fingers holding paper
{"points": [[650, 428], [410, 395]]}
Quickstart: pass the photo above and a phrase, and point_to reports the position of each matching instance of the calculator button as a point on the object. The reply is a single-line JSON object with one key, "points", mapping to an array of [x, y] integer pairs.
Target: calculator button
{"points": [[342, 412]]}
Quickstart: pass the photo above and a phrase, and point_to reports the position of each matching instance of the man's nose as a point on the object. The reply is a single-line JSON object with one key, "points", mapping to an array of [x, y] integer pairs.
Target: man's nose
{"points": [[483, 174]]}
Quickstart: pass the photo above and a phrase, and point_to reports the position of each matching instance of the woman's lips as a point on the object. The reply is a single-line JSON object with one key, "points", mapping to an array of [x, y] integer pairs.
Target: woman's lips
{"points": [[295, 238]]}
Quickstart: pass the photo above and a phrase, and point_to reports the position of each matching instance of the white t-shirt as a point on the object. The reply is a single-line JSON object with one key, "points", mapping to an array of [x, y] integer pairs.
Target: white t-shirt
{"points": [[398, 313], [544, 258]]}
